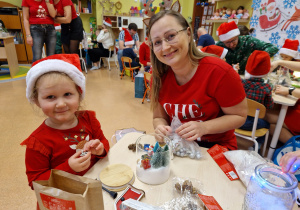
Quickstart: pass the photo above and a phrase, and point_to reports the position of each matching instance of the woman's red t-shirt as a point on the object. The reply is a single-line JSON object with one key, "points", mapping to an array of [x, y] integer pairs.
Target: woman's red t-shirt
{"points": [[38, 12]]}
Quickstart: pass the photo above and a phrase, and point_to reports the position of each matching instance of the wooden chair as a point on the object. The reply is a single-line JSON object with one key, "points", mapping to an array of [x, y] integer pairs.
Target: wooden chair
{"points": [[82, 61], [111, 49], [131, 69], [256, 110], [147, 79]]}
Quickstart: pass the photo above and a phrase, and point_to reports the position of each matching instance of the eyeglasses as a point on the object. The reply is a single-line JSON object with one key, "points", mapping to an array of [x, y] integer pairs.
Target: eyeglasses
{"points": [[232, 41], [170, 37]]}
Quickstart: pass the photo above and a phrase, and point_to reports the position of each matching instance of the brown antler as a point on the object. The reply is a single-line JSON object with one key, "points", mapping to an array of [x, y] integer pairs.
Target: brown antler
{"points": [[149, 11]]}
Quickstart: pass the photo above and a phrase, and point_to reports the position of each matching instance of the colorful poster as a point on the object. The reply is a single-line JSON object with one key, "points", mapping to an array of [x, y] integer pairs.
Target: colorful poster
{"points": [[276, 20]]}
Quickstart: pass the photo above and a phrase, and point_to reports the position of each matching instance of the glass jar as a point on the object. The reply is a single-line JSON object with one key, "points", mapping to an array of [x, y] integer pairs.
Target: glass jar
{"points": [[153, 153], [270, 188]]}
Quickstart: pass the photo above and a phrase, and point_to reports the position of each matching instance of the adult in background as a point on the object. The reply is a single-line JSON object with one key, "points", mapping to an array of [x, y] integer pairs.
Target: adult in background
{"points": [[71, 24], [132, 28], [204, 39], [204, 92], [105, 39], [240, 47], [39, 28]]}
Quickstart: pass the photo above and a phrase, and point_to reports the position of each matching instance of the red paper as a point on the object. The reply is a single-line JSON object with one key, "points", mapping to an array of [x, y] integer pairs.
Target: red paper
{"points": [[53, 203], [210, 202], [216, 152], [129, 194]]}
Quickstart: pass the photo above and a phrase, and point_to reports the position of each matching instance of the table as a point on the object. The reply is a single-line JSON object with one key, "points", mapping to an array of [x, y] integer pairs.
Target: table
{"points": [[9, 53], [229, 194], [285, 102]]}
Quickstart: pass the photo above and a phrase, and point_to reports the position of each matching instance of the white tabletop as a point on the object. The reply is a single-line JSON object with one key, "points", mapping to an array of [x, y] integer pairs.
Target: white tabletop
{"points": [[229, 194], [284, 100]]}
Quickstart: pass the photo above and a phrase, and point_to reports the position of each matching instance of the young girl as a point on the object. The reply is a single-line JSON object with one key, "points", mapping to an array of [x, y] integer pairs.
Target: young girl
{"points": [[56, 85]]}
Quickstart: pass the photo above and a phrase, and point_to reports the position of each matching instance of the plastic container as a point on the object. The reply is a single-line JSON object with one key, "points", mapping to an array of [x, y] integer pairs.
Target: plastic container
{"points": [[270, 188], [153, 159]]}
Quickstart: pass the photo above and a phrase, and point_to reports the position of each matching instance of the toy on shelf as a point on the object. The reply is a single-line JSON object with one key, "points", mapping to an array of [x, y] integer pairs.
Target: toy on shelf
{"points": [[227, 14], [240, 11], [233, 14], [246, 14], [216, 15]]}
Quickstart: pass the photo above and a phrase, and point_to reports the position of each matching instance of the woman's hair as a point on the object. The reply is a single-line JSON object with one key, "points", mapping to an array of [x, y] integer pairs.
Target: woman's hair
{"points": [[54, 77], [159, 68], [243, 30]]}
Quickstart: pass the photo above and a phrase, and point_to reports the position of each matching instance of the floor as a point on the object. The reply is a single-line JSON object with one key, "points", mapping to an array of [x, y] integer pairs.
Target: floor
{"points": [[112, 99]]}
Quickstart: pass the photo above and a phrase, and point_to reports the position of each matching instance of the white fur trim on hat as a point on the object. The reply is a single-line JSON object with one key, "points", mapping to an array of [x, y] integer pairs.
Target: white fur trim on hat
{"points": [[224, 53], [129, 43], [229, 35], [57, 27], [288, 52], [53, 65], [106, 23], [248, 76]]}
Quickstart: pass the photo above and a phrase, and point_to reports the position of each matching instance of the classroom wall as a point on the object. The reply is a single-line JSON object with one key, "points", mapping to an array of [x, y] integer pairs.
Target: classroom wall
{"points": [[14, 2]]}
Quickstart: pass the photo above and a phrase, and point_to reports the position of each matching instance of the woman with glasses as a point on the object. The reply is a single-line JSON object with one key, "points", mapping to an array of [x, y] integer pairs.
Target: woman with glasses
{"points": [[203, 91]]}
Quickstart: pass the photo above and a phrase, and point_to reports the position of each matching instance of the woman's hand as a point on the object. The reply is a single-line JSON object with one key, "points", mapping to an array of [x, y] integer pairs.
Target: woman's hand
{"points": [[94, 146], [78, 163], [191, 131], [290, 162], [164, 130], [281, 90], [274, 64], [29, 40]]}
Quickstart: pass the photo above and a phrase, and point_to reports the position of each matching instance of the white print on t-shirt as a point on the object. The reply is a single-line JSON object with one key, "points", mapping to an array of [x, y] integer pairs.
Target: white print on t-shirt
{"points": [[183, 111], [41, 12]]}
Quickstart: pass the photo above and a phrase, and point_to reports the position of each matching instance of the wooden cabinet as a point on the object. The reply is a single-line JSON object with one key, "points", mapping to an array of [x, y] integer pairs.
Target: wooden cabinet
{"points": [[12, 18]]}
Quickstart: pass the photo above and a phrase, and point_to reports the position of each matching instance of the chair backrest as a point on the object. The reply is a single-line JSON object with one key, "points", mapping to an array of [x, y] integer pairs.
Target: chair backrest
{"points": [[253, 106], [126, 59]]}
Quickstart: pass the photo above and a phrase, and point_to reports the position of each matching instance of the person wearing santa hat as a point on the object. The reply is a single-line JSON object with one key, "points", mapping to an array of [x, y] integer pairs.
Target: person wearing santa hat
{"points": [[258, 66], [129, 52], [216, 50], [132, 29], [202, 91], [144, 53], [68, 139], [289, 50], [71, 23], [105, 39], [240, 47]]}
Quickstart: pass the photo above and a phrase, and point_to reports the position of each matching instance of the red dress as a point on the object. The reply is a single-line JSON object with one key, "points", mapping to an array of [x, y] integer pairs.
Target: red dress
{"points": [[292, 119], [214, 85], [38, 12], [49, 148]]}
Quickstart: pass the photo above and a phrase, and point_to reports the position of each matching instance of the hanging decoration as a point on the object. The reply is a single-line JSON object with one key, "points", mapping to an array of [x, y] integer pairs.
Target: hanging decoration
{"points": [[110, 7], [165, 4], [276, 20]]}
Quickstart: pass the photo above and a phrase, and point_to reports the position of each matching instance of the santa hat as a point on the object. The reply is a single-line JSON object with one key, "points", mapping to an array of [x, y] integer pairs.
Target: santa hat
{"points": [[271, 3], [290, 48], [258, 64], [107, 22], [57, 26], [127, 37], [65, 63], [217, 50], [227, 31]]}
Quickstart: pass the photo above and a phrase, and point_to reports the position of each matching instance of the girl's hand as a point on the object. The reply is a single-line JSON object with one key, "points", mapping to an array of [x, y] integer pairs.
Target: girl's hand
{"points": [[94, 146], [78, 163], [281, 90], [164, 130], [105, 30], [192, 130], [29, 40], [236, 67], [290, 162]]}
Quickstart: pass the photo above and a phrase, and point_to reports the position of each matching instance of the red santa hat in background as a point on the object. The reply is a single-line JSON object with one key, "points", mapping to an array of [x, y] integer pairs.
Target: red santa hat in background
{"points": [[258, 64], [217, 50], [65, 63], [107, 22], [290, 48], [57, 26], [127, 37], [227, 31]]}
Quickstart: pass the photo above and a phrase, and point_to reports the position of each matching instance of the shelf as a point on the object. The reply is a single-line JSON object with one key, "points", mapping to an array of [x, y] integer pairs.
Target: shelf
{"points": [[226, 20]]}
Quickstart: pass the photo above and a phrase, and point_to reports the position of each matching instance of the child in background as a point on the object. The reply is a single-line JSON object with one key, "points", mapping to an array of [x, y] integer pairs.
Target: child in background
{"points": [[57, 86], [258, 66], [289, 51], [221, 52], [129, 52], [144, 53]]}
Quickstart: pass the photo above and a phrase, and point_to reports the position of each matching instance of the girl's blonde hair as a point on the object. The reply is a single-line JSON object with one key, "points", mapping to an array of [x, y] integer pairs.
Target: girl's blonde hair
{"points": [[111, 33], [159, 68], [51, 76]]}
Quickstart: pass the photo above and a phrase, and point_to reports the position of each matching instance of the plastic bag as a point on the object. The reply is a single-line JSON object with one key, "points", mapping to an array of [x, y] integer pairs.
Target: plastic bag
{"points": [[244, 162], [181, 147]]}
